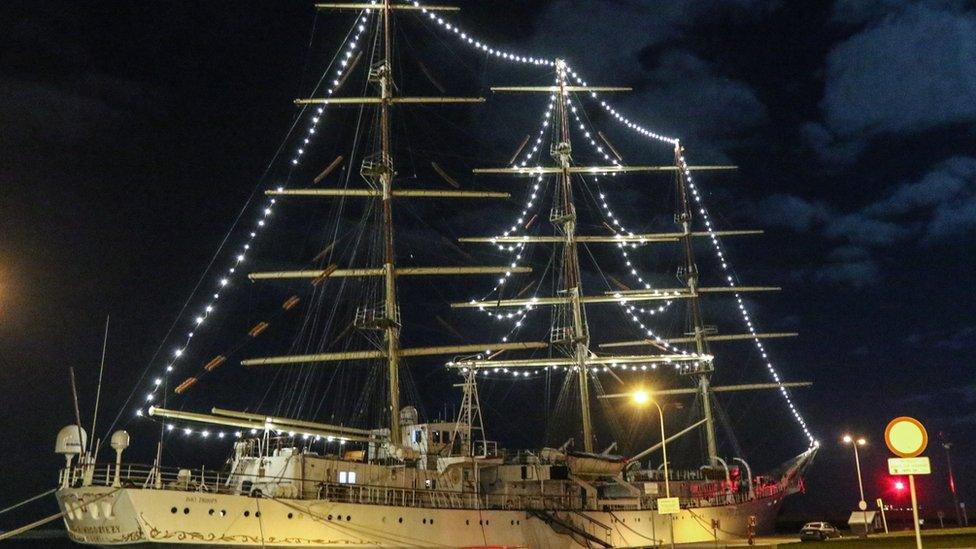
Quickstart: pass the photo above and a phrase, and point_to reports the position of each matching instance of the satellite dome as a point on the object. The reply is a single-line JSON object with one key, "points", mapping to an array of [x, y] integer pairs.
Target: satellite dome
{"points": [[71, 440], [120, 440]]}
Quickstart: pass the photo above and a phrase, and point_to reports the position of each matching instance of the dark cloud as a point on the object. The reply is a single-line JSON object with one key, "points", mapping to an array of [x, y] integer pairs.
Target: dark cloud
{"points": [[858, 273], [799, 214], [859, 228], [677, 91], [940, 204], [909, 70], [946, 181]]}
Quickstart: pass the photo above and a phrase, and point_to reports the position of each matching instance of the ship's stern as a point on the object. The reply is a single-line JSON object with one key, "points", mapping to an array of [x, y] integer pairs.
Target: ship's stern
{"points": [[99, 515]]}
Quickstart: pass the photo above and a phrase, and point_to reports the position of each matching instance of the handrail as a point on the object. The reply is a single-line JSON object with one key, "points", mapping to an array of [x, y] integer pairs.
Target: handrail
{"points": [[222, 482]]}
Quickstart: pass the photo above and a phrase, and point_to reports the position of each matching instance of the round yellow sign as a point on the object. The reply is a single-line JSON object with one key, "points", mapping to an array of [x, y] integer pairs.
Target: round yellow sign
{"points": [[906, 437]]}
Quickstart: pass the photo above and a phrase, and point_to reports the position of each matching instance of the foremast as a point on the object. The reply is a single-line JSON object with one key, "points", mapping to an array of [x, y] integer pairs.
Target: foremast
{"points": [[565, 221], [384, 75]]}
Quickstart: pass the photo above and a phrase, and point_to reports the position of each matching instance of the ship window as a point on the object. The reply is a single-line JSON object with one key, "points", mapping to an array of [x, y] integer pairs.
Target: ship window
{"points": [[290, 515], [186, 510], [400, 520], [466, 521], [223, 512], [436, 436], [247, 513], [210, 512], [257, 514], [173, 510], [347, 477], [425, 521], [417, 436], [348, 518]]}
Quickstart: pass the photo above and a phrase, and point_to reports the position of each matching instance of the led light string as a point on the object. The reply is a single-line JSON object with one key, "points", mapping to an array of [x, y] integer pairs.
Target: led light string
{"points": [[226, 278], [629, 310], [743, 310], [468, 39], [518, 248], [615, 225], [621, 118], [479, 45], [649, 134]]}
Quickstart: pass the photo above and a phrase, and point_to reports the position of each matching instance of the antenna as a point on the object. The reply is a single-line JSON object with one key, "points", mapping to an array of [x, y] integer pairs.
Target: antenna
{"points": [[98, 391]]}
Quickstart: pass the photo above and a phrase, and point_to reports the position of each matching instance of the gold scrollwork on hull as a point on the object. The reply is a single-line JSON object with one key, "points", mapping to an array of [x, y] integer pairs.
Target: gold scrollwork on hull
{"points": [[185, 535]]}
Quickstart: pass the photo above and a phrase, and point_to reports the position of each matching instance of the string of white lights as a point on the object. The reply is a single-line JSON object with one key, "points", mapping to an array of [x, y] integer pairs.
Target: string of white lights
{"points": [[478, 44], [614, 222], [225, 280], [518, 316], [743, 310], [621, 118]]}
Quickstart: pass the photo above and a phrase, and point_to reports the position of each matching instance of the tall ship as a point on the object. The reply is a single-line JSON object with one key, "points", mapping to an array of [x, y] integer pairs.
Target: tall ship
{"points": [[596, 374]]}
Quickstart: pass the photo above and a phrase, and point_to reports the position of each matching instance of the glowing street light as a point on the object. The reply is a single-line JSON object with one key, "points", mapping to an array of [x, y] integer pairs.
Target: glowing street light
{"points": [[641, 397], [862, 504]]}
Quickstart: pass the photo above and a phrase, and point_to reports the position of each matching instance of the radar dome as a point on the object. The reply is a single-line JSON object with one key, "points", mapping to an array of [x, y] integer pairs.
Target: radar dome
{"points": [[408, 415], [120, 440], [71, 440]]}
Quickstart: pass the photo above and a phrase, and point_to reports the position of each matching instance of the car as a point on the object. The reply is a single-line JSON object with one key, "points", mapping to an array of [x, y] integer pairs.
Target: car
{"points": [[819, 531]]}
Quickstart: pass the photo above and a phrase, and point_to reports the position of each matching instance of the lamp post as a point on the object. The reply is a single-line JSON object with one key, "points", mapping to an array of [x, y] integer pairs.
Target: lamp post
{"points": [[946, 445], [642, 398], [862, 504]]}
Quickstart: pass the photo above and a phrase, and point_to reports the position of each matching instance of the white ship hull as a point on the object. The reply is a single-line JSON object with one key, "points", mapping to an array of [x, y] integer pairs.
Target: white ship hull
{"points": [[112, 517]]}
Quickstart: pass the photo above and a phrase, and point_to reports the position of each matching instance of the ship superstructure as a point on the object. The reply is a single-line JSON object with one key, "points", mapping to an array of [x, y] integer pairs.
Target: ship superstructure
{"points": [[398, 479]]}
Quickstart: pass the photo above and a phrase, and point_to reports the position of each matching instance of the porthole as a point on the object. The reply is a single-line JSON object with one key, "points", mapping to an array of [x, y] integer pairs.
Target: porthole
{"points": [[513, 522], [247, 513], [173, 510], [186, 510], [338, 517], [257, 514], [487, 522], [329, 517], [432, 521], [425, 521], [467, 522], [348, 518], [223, 512], [210, 512], [400, 520], [291, 515]]}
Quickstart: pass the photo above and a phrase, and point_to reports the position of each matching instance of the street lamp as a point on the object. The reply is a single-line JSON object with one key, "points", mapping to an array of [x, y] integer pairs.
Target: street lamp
{"points": [[862, 504], [640, 397]]}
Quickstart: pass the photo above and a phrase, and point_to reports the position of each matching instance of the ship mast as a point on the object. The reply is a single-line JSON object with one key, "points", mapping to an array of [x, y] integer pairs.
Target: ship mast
{"points": [[689, 272], [392, 331], [565, 220]]}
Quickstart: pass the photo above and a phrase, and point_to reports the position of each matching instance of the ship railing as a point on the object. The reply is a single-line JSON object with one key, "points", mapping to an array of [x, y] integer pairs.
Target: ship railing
{"points": [[216, 482], [222, 482]]}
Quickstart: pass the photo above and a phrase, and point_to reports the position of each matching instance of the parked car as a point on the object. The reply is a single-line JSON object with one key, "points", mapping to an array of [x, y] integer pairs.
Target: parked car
{"points": [[819, 531]]}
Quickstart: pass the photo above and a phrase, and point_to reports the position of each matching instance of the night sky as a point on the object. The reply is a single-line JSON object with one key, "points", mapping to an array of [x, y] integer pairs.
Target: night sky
{"points": [[133, 135]]}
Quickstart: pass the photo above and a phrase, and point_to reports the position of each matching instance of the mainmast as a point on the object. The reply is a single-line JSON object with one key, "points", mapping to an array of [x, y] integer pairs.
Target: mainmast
{"points": [[565, 221], [689, 272]]}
